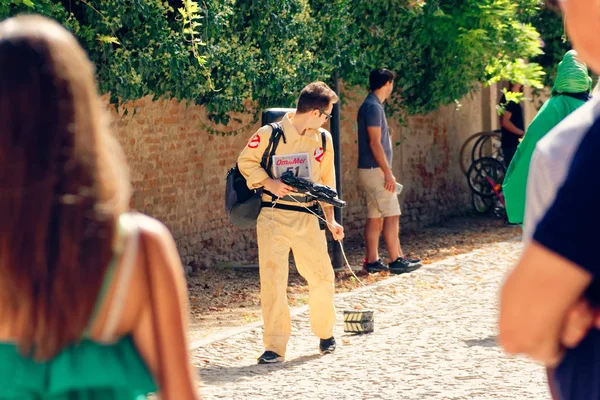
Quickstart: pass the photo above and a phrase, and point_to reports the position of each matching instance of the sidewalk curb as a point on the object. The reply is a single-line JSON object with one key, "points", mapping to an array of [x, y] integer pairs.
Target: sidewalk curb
{"points": [[299, 310]]}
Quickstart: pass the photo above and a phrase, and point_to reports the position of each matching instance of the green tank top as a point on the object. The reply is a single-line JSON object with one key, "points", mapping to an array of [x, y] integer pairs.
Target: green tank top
{"points": [[87, 370]]}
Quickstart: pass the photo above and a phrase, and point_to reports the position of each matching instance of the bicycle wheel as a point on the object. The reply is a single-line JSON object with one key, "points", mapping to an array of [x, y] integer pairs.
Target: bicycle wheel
{"points": [[465, 153], [482, 205], [487, 145], [484, 175], [490, 147], [476, 150]]}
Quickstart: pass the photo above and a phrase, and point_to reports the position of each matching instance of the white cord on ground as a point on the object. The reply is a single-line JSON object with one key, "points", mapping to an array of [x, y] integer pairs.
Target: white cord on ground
{"points": [[340, 241]]}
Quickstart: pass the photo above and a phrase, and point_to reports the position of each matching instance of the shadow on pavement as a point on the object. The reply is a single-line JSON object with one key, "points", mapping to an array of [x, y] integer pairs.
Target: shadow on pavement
{"points": [[215, 374], [491, 341]]}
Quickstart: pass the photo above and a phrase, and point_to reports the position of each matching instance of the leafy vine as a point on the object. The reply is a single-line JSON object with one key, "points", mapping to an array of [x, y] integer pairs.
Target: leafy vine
{"points": [[243, 56]]}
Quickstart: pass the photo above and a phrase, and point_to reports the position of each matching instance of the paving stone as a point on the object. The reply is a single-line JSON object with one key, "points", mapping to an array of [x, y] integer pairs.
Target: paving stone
{"points": [[435, 338]]}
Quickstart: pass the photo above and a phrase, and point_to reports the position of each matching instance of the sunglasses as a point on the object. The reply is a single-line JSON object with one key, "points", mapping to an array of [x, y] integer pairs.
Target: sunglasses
{"points": [[321, 112]]}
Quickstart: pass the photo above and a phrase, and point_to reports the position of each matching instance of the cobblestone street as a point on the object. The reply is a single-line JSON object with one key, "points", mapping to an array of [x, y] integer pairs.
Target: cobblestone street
{"points": [[435, 338]]}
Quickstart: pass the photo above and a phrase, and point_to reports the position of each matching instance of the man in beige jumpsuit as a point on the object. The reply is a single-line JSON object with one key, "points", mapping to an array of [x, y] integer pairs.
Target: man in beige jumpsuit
{"points": [[280, 230]]}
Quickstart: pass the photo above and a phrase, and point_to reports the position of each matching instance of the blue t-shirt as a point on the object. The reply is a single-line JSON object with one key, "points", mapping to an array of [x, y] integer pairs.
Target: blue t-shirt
{"points": [[571, 228], [372, 114]]}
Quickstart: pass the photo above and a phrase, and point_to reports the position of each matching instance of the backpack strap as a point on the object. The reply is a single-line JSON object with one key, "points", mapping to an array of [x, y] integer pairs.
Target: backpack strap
{"points": [[267, 158], [323, 141], [263, 161]]}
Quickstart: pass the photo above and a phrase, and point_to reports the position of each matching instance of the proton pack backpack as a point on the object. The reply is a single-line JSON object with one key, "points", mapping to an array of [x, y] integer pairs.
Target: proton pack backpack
{"points": [[243, 204]]}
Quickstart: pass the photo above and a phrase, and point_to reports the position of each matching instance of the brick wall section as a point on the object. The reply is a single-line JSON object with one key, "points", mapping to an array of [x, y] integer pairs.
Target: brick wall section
{"points": [[178, 170]]}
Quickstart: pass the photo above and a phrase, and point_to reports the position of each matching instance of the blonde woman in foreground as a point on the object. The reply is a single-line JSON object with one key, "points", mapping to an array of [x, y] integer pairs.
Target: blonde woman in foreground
{"points": [[93, 301]]}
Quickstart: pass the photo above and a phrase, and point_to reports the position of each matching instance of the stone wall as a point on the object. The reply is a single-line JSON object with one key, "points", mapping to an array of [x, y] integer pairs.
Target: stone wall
{"points": [[178, 169]]}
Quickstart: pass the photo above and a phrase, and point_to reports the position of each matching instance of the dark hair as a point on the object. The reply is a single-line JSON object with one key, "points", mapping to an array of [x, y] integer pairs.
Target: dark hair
{"points": [[61, 187], [315, 96], [379, 77], [553, 5]]}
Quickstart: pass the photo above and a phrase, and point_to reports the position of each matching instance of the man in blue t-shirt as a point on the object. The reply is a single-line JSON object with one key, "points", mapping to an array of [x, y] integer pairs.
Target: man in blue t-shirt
{"points": [[550, 302], [377, 180]]}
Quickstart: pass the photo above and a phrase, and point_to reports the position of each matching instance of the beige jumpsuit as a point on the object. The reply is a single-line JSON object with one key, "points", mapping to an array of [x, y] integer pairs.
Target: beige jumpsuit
{"points": [[281, 230]]}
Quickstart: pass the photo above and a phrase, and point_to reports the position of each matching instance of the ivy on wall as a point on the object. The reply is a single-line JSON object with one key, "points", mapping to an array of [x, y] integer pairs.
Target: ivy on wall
{"points": [[237, 55]]}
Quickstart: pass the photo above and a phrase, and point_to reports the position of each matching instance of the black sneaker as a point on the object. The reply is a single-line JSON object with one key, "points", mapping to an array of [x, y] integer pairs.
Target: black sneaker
{"points": [[403, 265], [270, 357], [412, 260], [377, 266], [327, 346]]}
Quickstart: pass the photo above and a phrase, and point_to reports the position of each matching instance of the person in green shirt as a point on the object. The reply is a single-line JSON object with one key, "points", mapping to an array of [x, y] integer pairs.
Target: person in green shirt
{"points": [[571, 90], [93, 299]]}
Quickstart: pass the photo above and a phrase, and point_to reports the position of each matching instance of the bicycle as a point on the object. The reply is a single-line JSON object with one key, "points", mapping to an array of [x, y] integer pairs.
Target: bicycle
{"points": [[485, 177]]}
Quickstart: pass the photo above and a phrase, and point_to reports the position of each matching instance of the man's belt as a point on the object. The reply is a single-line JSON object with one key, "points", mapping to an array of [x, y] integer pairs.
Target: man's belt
{"points": [[290, 207], [288, 197], [315, 209]]}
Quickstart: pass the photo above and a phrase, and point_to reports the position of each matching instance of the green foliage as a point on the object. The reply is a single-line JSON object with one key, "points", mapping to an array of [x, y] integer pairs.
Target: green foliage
{"points": [[509, 96], [138, 46], [237, 55], [260, 50], [440, 49], [190, 14], [554, 41]]}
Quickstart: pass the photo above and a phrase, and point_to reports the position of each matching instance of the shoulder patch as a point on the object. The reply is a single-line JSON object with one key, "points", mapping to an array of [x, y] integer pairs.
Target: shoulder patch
{"points": [[254, 142], [262, 134], [318, 154]]}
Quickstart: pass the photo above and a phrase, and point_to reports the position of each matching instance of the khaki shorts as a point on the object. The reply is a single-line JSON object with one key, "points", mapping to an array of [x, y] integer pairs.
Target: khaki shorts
{"points": [[380, 202]]}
